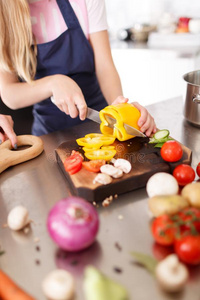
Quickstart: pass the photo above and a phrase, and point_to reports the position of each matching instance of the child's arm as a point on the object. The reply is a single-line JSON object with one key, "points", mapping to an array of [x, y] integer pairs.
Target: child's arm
{"points": [[67, 94]]}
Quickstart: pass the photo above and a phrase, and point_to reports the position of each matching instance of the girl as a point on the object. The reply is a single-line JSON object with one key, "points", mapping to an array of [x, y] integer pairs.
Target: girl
{"points": [[6, 130], [63, 55]]}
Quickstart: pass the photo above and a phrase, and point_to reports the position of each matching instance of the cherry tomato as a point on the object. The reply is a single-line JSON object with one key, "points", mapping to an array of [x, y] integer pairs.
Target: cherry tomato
{"points": [[163, 230], [188, 249], [198, 169], [171, 151], [73, 163], [188, 218], [94, 165], [184, 174]]}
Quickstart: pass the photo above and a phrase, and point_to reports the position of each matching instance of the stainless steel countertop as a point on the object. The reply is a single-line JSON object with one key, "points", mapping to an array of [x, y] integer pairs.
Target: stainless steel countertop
{"points": [[39, 184]]}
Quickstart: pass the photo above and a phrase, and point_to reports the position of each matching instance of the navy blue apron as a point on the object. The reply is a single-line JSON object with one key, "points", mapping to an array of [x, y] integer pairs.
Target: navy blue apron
{"points": [[70, 54]]}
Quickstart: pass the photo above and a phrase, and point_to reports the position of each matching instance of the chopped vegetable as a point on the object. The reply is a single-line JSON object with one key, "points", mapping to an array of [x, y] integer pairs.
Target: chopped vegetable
{"points": [[162, 183], [160, 137], [100, 154], [97, 286], [73, 223], [171, 274], [10, 291], [18, 218], [58, 285], [91, 140], [123, 164], [111, 171], [73, 163], [94, 165], [102, 179]]}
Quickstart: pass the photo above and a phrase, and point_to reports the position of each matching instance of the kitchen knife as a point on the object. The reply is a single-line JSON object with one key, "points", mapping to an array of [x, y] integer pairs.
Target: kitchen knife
{"points": [[94, 116]]}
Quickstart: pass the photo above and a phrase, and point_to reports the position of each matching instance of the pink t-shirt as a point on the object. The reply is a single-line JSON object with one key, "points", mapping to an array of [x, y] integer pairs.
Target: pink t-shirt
{"points": [[48, 22]]}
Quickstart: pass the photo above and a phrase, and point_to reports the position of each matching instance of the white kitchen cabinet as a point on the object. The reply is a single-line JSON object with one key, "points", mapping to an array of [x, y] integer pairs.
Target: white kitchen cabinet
{"points": [[152, 75]]}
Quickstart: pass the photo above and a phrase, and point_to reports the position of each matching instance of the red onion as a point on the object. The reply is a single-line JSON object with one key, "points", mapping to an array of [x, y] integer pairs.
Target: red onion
{"points": [[73, 224]]}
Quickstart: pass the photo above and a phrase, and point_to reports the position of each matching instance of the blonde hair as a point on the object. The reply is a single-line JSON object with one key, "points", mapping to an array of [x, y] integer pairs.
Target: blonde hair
{"points": [[17, 46]]}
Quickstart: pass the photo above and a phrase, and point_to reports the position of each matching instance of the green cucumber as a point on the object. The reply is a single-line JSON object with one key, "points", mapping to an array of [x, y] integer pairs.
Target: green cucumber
{"points": [[161, 134], [160, 137]]}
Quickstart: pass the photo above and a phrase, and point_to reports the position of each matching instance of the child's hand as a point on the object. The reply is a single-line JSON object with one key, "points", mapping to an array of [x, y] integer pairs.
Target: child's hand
{"points": [[146, 121], [68, 97]]}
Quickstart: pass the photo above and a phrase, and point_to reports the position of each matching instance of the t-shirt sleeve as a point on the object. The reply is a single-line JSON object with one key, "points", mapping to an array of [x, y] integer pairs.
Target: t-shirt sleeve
{"points": [[97, 18]]}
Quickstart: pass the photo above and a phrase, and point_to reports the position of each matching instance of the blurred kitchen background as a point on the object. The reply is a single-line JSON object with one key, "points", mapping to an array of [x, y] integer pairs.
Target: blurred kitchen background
{"points": [[154, 43]]}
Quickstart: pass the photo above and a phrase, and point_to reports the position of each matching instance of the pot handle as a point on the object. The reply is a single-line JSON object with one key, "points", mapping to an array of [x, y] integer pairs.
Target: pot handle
{"points": [[196, 99]]}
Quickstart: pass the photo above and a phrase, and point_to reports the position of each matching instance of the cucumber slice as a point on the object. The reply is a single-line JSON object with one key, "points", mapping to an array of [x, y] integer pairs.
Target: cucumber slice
{"points": [[161, 134]]}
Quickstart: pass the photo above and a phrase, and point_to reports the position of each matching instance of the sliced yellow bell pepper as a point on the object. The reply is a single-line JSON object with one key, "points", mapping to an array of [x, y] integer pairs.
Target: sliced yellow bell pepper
{"points": [[95, 140], [107, 147], [86, 149], [89, 143], [100, 154], [122, 113]]}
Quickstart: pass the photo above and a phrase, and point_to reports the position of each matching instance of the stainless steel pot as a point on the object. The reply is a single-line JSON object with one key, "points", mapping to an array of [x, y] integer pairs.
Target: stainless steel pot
{"points": [[192, 100]]}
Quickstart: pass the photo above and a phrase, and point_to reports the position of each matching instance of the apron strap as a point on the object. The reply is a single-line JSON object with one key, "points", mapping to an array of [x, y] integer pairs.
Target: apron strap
{"points": [[68, 14]]}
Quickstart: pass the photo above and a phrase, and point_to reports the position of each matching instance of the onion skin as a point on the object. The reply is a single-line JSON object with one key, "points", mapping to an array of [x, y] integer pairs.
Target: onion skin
{"points": [[73, 224]]}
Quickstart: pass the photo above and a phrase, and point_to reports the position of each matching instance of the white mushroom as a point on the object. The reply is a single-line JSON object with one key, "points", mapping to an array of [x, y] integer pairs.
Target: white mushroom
{"points": [[162, 183], [111, 170], [123, 164], [58, 285], [102, 178], [171, 274], [18, 218]]}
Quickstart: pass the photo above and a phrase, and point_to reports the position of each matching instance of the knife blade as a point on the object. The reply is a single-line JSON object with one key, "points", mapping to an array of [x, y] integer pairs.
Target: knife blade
{"points": [[94, 116]]}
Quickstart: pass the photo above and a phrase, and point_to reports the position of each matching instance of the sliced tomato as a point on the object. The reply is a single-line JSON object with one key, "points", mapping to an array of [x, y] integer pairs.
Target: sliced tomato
{"points": [[94, 165], [73, 163], [100, 154]]}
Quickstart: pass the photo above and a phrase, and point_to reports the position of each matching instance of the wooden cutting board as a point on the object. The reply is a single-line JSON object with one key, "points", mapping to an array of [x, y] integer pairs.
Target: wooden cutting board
{"points": [[145, 160]]}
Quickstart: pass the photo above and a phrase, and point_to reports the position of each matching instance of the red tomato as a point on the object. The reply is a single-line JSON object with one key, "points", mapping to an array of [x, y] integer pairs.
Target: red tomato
{"points": [[163, 230], [184, 174], [73, 163], [198, 169], [187, 218], [94, 165], [171, 151], [188, 249]]}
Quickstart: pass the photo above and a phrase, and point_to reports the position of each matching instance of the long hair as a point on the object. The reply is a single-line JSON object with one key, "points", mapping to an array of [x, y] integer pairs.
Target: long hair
{"points": [[17, 46]]}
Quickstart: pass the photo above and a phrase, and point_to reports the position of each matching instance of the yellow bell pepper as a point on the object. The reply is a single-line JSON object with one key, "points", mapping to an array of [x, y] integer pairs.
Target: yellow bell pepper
{"points": [[100, 154], [122, 113]]}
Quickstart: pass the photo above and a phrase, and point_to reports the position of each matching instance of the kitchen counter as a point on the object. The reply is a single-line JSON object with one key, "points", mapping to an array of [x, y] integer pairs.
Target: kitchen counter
{"points": [[39, 184]]}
